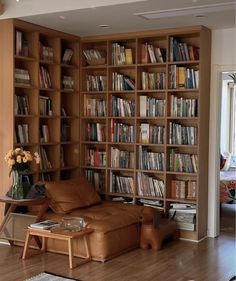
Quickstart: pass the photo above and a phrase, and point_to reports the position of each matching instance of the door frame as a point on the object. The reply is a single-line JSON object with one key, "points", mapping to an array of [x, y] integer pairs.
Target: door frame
{"points": [[214, 148]]}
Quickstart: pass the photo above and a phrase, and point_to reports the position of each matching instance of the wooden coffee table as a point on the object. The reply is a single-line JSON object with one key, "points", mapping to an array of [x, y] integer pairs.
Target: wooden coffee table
{"points": [[61, 235]]}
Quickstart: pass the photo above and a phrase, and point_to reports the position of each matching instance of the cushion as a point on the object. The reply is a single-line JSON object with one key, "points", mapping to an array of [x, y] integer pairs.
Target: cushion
{"points": [[67, 195]]}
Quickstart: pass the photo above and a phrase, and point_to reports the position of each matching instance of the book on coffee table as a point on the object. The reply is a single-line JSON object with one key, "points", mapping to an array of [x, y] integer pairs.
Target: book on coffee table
{"points": [[47, 224]]}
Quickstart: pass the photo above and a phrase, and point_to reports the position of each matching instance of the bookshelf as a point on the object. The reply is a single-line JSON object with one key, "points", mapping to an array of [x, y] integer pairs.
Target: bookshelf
{"points": [[40, 105], [153, 109], [128, 110]]}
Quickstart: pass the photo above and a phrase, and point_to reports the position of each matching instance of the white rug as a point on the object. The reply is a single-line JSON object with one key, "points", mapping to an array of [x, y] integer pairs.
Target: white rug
{"points": [[49, 277]]}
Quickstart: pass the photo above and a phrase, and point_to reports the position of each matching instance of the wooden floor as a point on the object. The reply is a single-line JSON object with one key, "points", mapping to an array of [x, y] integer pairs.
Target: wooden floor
{"points": [[210, 260]]}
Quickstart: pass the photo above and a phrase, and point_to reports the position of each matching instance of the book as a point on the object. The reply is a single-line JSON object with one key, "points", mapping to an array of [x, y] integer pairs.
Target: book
{"points": [[47, 224]]}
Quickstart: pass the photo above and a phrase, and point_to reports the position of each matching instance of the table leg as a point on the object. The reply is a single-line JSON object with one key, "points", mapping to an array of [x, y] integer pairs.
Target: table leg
{"points": [[44, 244], [10, 210], [87, 247], [26, 246], [71, 254]]}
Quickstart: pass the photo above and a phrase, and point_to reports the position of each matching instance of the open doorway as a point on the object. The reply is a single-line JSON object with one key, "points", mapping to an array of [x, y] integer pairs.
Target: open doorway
{"points": [[227, 173]]}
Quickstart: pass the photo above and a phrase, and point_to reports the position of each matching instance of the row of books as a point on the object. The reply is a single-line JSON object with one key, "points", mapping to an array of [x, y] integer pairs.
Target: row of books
{"points": [[181, 77], [152, 107], [122, 107], [21, 105], [182, 107], [94, 107], [22, 133], [181, 189], [150, 186], [179, 134], [95, 157], [67, 56], [67, 82], [22, 76], [122, 184], [149, 160], [44, 78], [121, 132], [45, 164], [122, 158], [45, 52], [44, 133], [182, 51], [96, 178], [184, 215], [94, 54], [45, 106], [96, 83], [153, 54], [153, 80], [121, 82], [21, 44], [183, 162], [152, 134], [121, 55], [96, 132]]}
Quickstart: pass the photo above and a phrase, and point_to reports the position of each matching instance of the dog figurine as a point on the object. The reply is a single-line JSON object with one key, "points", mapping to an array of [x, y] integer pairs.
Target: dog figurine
{"points": [[155, 229]]}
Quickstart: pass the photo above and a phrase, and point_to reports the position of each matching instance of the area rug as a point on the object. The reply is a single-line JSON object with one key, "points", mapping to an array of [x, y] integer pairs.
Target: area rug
{"points": [[47, 276]]}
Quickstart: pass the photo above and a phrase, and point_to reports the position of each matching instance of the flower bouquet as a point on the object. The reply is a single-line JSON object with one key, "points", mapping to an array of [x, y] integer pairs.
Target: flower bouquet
{"points": [[19, 161]]}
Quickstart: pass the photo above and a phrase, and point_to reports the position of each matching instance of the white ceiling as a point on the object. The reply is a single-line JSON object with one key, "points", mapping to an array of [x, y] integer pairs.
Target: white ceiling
{"points": [[83, 17]]}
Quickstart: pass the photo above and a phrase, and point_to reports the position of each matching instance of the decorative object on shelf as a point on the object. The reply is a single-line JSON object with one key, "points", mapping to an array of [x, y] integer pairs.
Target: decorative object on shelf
{"points": [[18, 160]]}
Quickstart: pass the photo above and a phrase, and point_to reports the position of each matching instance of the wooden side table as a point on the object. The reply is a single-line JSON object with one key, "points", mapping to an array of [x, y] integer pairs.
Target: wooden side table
{"points": [[43, 202], [61, 235]]}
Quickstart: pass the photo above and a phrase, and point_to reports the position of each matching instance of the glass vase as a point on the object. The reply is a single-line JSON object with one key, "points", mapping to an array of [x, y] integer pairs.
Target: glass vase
{"points": [[17, 191]]}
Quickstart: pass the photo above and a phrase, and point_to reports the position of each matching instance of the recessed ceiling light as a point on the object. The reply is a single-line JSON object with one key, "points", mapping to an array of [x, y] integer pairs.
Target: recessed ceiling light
{"points": [[200, 16], [62, 17], [17, 0], [187, 11], [104, 25]]}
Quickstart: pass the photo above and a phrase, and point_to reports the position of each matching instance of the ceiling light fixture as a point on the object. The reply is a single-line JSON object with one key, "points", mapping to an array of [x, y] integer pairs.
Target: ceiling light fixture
{"points": [[195, 10], [104, 25], [62, 17]]}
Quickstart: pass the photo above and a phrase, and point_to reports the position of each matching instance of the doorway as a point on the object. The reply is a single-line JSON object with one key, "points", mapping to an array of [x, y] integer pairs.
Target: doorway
{"points": [[227, 172]]}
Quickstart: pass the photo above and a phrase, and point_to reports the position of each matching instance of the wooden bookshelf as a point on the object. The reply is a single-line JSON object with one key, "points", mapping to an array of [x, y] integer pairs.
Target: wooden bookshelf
{"points": [[33, 103], [131, 100], [172, 119]]}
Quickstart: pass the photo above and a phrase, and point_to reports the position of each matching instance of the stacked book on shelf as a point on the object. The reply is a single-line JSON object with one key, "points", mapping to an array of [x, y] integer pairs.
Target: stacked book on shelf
{"points": [[153, 134], [122, 184], [67, 82], [121, 132], [21, 105], [67, 56], [22, 133], [153, 80], [95, 157], [21, 45], [122, 107], [152, 54], [181, 189], [121, 55], [45, 164], [149, 160], [181, 51], [122, 158], [184, 215], [152, 107], [183, 162], [95, 83], [22, 76], [95, 56], [44, 78], [96, 132], [121, 82], [182, 77], [179, 134], [96, 178], [182, 107], [44, 134], [158, 204], [45, 106], [47, 224], [150, 186], [45, 53], [94, 107]]}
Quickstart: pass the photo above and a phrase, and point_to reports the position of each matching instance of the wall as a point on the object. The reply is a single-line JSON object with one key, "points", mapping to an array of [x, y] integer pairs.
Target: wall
{"points": [[223, 58]]}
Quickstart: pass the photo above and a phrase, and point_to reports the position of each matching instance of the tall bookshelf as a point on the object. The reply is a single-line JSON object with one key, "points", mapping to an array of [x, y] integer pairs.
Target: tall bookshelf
{"points": [[40, 99], [155, 122]]}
